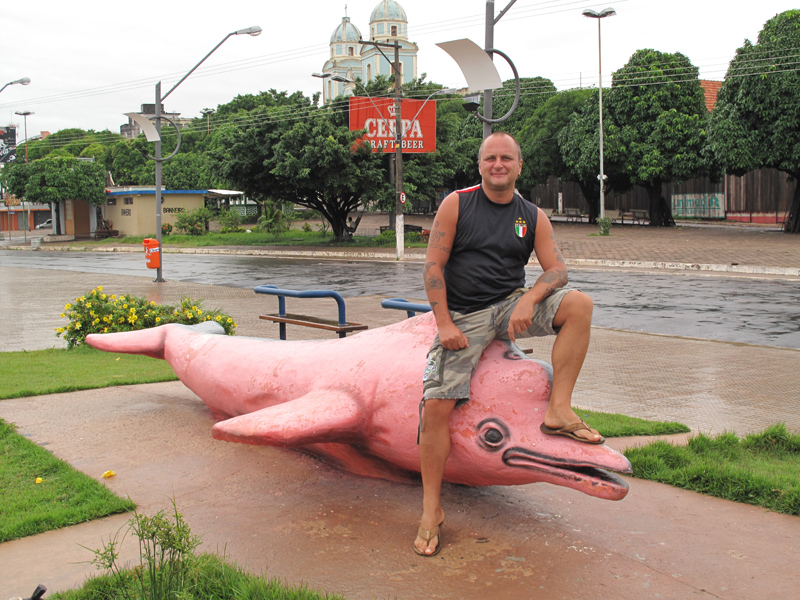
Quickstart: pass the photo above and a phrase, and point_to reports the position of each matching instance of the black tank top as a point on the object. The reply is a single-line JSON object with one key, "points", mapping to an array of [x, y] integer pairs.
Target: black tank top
{"points": [[493, 244]]}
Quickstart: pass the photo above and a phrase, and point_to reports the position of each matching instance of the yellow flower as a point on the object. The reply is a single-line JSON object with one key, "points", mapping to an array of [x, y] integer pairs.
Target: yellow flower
{"points": [[38, 480], [105, 329], [124, 306], [230, 320], [62, 315], [194, 308], [199, 312], [152, 303], [99, 288], [113, 296], [68, 306], [158, 319], [219, 318], [78, 325], [103, 296]]}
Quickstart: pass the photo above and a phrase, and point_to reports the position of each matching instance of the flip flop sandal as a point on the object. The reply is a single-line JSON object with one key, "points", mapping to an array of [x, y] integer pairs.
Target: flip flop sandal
{"points": [[568, 431], [428, 535]]}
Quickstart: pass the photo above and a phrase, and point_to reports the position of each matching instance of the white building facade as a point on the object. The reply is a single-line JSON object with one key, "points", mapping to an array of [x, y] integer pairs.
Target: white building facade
{"points": [[354, 60]]}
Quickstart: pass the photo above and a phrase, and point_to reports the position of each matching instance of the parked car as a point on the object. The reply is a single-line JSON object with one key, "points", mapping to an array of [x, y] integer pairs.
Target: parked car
{"points": [[46, 225]]}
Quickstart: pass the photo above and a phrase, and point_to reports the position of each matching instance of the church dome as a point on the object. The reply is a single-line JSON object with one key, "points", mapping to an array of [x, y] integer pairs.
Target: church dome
{"points": [[345, 32], [388, 10]]}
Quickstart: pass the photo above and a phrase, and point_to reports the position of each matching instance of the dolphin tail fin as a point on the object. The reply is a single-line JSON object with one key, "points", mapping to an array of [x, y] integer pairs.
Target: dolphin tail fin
{"points": [[148, 342]]}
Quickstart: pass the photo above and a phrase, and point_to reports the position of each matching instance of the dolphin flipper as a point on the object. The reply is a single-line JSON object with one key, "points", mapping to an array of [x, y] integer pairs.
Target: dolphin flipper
{"points": [[320, 416]]}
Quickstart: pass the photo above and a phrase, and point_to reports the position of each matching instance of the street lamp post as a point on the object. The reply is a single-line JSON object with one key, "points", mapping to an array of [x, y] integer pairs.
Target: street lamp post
{"points": [[491, 21], [253, 31], [606, 12], [208, 112], [22, 81], [24, 114]]}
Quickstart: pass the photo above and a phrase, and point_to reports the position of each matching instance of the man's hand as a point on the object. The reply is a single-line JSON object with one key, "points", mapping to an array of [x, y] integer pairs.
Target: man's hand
{"points": [[521, 318], [452, 338]]}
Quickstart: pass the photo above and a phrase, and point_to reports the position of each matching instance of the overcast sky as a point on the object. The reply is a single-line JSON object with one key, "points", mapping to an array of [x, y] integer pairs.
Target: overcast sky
{"points": [[89, 61]]}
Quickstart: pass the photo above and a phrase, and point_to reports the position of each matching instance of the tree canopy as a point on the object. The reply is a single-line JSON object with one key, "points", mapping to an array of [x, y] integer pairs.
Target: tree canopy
{"points": [[757, 118], [658, 107]]}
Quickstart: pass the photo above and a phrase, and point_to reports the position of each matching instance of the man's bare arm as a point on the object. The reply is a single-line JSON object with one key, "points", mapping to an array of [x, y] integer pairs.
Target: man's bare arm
{"points": [[440, 243]]}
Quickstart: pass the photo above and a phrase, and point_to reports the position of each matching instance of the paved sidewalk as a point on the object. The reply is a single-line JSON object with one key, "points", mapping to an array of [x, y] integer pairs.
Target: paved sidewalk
{"points": [[299, 520]]}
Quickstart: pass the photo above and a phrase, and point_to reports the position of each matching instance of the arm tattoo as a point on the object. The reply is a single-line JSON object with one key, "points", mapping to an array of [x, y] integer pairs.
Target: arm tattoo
{"points": [[553, 280], [434, 283]]}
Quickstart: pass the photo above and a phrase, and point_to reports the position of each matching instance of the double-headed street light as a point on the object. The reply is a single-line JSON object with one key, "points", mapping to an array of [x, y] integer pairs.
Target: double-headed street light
{"points": [[24, 114], [22, 81], [252, 31], [606, 12]]}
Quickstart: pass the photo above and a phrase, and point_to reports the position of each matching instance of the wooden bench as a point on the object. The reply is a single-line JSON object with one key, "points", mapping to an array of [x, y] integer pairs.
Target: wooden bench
{"points": [[102, 234], [341, 326], [573, 214], [636, 215]]}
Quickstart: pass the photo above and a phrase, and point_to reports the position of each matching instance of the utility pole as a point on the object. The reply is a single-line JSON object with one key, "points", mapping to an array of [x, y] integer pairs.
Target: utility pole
{"points": [[398, 153]]}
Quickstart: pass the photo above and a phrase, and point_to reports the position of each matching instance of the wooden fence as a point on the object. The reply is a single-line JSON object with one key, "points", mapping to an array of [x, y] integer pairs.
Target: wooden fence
{"points": [[764, 195]]}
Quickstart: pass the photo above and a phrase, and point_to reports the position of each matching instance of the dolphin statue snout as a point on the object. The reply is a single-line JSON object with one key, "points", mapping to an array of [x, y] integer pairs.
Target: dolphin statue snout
{"points": [[354, 403]]}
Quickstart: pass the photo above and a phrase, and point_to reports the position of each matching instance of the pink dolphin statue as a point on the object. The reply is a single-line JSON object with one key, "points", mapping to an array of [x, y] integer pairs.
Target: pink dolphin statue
{"points": [[354, 402]]}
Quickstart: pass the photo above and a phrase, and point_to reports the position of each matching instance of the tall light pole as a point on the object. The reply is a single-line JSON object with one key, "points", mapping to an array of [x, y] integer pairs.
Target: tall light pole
{"points": [[606, 12], [208, 112], [491, 21], [24, 115], [253, 31], [22, 81]]}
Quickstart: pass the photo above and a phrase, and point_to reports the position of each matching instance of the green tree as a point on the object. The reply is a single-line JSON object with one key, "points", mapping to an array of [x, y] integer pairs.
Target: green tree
{"points": [[539, 139], [757, 118], [658, 107], [534, 92], [318, 164], [579, 143], [54, 179]]}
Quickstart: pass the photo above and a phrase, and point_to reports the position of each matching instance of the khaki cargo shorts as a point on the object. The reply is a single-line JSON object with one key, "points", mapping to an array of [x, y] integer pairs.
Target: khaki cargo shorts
{"points": [[448, 372]]}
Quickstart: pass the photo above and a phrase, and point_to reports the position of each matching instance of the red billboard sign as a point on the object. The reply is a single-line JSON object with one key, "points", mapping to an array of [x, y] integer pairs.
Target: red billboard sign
{"points": [[380, 122]]}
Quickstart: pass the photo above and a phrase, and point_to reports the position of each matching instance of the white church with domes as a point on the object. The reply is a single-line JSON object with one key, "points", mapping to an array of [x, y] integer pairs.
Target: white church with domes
{"points": [[351, 59]]}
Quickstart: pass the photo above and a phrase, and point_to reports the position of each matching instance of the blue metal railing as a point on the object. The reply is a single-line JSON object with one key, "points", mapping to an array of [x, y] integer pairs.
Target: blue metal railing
{"points": [[411, 308]]}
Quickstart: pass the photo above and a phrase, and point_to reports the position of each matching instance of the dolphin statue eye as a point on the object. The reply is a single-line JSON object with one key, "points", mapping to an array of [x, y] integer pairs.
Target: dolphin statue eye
{"points": [[492, 434]]}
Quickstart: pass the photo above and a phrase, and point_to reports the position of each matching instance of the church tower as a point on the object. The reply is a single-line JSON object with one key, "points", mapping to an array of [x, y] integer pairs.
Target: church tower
{"points": [[353, 60]]}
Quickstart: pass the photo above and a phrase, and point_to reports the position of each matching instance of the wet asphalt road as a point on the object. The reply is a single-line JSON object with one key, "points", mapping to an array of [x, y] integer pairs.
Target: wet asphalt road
{"points": [[746, 310]]}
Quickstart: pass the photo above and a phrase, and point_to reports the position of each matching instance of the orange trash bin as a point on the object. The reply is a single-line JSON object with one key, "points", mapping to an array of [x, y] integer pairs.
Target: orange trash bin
{"points": [[151, 255]]}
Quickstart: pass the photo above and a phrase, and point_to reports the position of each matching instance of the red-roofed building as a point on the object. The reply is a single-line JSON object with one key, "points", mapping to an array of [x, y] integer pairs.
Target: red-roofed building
{"points": [[710, 88]]}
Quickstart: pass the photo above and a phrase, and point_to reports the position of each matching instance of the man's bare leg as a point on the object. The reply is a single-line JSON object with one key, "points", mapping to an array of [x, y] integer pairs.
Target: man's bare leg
{"points": [[574, 316], [434, 448]]}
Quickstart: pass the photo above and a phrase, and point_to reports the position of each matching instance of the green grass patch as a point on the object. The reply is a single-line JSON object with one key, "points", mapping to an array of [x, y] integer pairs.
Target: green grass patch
{"points": [[209, 578], [83, 368], [613, 425], [761, 469], [63, 496]]}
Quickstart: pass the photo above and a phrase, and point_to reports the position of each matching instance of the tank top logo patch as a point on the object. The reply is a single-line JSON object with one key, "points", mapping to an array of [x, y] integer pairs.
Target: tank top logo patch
{"points": [[521, 227]]}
